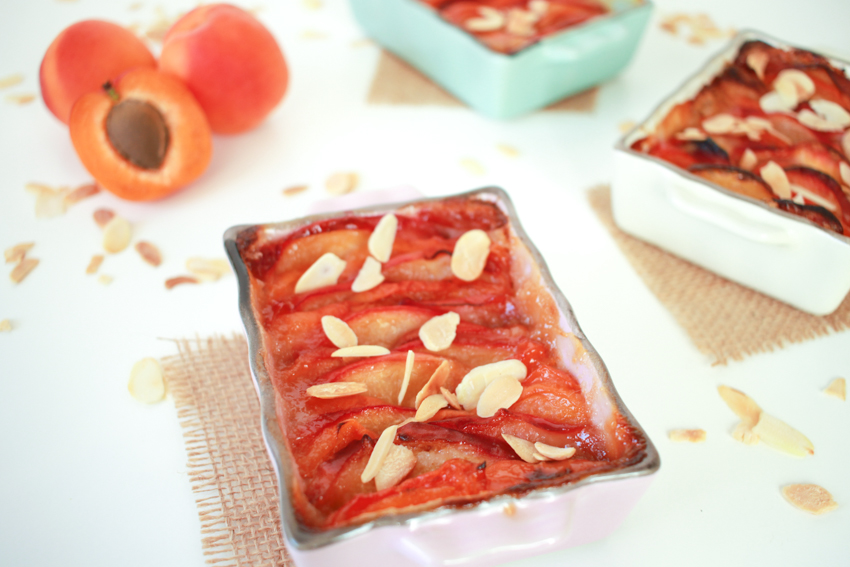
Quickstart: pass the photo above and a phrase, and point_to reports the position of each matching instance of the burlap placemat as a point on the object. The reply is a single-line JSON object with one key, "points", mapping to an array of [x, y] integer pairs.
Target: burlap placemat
{"points": [[397, 83], [724, 320], [229, 468]]}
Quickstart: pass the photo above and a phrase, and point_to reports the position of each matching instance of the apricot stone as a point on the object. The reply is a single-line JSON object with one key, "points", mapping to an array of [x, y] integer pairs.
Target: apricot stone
{"points": [[143, 137], [231, 63], [85, 56]]}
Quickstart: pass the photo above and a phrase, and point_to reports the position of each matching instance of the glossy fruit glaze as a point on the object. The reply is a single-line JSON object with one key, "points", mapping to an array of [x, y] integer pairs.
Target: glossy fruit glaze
{"points": [[738, 124], [460, 457], [507, 26]]}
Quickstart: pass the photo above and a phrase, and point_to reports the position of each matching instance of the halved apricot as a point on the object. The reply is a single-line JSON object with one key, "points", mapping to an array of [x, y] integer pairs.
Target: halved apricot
{"points": [[143, 137], [735, 179]]}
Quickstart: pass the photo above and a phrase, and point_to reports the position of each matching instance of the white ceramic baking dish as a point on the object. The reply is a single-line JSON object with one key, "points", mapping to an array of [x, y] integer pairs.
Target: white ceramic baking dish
{"points": [[776, 253], [491, 532]]}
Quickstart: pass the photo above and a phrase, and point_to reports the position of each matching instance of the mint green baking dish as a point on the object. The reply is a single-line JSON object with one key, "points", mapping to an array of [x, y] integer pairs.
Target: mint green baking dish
{"points": [[499, 85]]}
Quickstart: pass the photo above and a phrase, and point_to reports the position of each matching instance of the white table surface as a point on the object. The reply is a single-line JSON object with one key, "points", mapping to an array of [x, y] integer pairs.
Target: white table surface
{"points": [[89, 476]]}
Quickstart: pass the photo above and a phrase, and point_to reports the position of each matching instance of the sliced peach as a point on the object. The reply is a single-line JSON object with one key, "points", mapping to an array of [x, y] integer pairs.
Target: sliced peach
{"points": [[144, 138]]}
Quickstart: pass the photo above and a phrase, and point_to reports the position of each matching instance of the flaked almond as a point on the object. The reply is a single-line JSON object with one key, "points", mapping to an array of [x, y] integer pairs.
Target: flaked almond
{"points": [[149, 253], [476, 380], [740, 403], [397, 464], [49, 202], [794, 86], [748, 160], [797, 191], [524, 449], [844, 170], [408, 371], [338, 332], [472, 166], [521, 22], [687, 435], [379, 453], [501, 393], [757, 61], [439, 332], [509, 151], [22, 269], [691, 134], [341, 183], [837, 388], [470, 255], [509, 509], [5, 326], [489, 19], [18, 252], [369, 276], [382, 238], [782, 436], [538, 7], [117, 234], [102, 217], [810, 498], [333, 390], [845, 144], [539, 457], [94, 264], [147, 383], [436, 380], [451, 398], [171, 283], [361, 351], [312, 4], [11, 80], [831, 112], [104, 279], [744, 433], [324, 272], [20, 99], [82, 192], [430, 406], [295, 189], [720, 124], [772, 102], [775, 176], [811, 120], [208, 269], [554, 453]]}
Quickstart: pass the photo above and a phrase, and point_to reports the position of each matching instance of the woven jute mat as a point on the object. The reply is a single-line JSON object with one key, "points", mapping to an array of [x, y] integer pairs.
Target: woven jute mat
{"points": [[397, 83], [229, 469], [724, 320]]}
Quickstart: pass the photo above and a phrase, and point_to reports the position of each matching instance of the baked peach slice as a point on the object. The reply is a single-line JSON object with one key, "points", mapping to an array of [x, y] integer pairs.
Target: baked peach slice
{"points": [[142, 137]]}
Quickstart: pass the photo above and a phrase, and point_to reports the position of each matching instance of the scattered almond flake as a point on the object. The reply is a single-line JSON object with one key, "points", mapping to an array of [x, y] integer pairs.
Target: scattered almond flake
{"points": [[361, 351], [379, 453], [509, 151], [757, 61], [489, 19], [82, 192], [432, 386], [472, 166], [383, 237], [451, 398], [845, 144], [782, 436], [740, 403], [397, 464], [476, 380], [844, 170], [117, 234], [701, 27], [539, 457], [671, 23], [341, 183], [255, 10], [429, 407], [146, 381], [104, 279], [408, 370], [149, 253], [18, 252], [362, 42], [324, 272], [811, 120], [333, 390], [338, 332], [554, 453], [798, 191], [49, 202], [524, 449], [691, 134], [831, 112], [20, 99], [793, 86], [771, 102], [470, 255], [837, 388], [102, 217], [135, 28], [744, 434], [810, 498], [775, 176], [439, 332], [171, 283], [501, 393], [720, 124], [521, 22], [538, 7], [509, 509], [22, 269], [626, 126], [687, 435], [157, 30], [5, 326], [295, 189], [312, 4], [11, 80], [369, 276], [94, 264], [208, 269], [748, 160], [135, 6], [313, 34]]}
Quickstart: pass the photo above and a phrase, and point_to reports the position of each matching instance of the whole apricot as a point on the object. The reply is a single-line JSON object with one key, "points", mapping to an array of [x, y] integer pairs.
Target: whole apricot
{"points": [[142, 137], [83, 57], [230, 62]]}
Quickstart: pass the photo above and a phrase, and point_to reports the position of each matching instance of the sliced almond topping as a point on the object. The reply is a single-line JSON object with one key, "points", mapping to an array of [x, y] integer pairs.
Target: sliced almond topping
{"points": [[811, 120], [379, 453], [521, 22], [845, 144], [116, 235], [82, 192], [208, 269], [799, 191], [844, 170], [748, 160], [103, 279], [837, 388], [368, 277], [501, 393], [102, 217], [149, 253], [408, 371], [771, 102], [382, 238], [489, 19], [740, 403], [451, 398], [338, 332], [16, 253], [470, 255], [810, 498], [171, 283], [361, 351], [831, 112], [554, 453], [430, 406], [295, 189], [720, 124], [5, 326], [539, 457], [694, 134], [538, 7], [744, 434], [397, 465], [439, 332], [782, 436], [525, 450], [333, 390], [476, 380], [757, 61], [794, 86], [509, 509], [22, 270], [49, 202], [509, 151], [11, 80], [775, 176], [687, 435], [324, 272], [94, 264], [432, 386], [146, 381], [341, 183]]}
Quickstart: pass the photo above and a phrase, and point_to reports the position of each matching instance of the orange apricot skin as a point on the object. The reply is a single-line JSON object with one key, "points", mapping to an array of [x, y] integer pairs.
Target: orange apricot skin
{"points": [[83, 57], [189, 149], [231, 63]]}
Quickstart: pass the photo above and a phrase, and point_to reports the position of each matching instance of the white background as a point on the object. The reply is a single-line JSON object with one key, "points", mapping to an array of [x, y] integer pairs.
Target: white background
{"points": [[89, 476]]}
